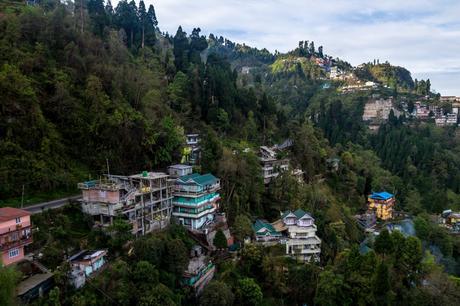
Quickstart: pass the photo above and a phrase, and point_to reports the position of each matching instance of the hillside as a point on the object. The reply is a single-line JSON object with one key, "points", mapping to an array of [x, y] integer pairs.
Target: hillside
{"points": [[96, 89]]}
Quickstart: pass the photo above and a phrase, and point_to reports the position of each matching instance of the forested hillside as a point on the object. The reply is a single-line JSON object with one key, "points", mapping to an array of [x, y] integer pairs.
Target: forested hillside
{"points": [[84, 85]]}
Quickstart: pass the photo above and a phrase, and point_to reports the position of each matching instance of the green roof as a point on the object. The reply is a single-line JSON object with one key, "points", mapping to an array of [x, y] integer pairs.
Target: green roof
{"points": [[260, 224], [203, 180], [299, 213]]}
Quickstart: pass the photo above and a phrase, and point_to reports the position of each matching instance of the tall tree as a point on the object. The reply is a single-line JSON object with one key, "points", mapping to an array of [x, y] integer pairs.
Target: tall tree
{"points": [[181, 49], [142, 15]]}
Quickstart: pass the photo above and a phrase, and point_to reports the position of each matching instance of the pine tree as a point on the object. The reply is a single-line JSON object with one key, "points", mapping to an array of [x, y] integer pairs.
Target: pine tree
{"points": [[142, 15]]}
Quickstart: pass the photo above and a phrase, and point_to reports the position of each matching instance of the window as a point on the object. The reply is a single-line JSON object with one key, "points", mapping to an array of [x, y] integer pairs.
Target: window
{"points": [[18, 220], [13, 253]]}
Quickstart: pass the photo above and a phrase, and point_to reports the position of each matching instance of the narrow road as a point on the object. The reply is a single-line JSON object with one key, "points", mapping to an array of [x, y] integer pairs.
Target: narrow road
{"points": [[38, 208]]}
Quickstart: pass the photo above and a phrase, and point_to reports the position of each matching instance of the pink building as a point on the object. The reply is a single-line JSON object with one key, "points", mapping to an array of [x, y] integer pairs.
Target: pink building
{"points": [[15, 233]]}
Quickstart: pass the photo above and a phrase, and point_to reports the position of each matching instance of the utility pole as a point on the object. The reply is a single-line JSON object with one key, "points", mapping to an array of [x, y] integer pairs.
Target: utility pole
{"points": [[108, 169], [22, 196]]}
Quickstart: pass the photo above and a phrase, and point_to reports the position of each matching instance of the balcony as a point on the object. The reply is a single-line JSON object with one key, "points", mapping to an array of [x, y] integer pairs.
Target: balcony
{"points": [[195, 192], [22, 241]]}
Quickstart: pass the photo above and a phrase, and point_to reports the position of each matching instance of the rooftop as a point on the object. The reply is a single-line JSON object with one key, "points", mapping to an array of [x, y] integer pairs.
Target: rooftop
{"points": [[299, 213], [149, 175], [205, 179], [87, 255], [381, 195], [8, 213], [260, 224], [180, 166]]}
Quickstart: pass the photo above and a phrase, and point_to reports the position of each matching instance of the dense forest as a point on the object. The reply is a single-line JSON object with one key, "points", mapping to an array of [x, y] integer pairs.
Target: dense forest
{"points": [[84, 84]]}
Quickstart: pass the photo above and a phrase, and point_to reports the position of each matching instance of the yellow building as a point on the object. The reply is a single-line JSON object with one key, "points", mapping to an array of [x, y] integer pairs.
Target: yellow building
{"points": [[382, 203]]}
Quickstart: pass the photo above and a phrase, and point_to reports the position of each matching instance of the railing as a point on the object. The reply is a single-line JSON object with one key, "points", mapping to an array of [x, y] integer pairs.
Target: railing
{"points": [[16, 243], [179, 190]]}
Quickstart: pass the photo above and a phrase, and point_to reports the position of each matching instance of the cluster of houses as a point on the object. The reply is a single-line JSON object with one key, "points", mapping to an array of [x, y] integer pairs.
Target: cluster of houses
{"points": [[297, 230], [424, 111]]}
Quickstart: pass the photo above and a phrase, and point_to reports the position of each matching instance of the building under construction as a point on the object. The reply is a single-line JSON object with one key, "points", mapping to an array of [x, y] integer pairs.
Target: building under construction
{"points": [[144, 199]]}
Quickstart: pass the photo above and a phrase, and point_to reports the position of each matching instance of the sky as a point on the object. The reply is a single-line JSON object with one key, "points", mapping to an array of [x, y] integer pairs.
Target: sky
{"points": [[421, 35]]}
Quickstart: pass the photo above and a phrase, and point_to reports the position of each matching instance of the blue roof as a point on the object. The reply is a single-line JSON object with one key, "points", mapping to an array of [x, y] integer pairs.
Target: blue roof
{"points": [[381, 195]]}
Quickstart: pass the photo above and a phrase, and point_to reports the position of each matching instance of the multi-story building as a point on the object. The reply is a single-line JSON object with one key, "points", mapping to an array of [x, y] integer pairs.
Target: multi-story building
{"points": [[144, 199], [302, 242], [193, 150], [15, 234], [200, 270], [382, 203], [84, 264], [379, 110], [271, 165], [196, 199]]}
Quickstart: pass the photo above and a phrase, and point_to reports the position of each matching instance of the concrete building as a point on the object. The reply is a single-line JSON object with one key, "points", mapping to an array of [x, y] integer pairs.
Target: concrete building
{"points": [[302, 243], [382, 204], [378, 110], [144, 199], [84, 264], [200, 270], [15, 234], [178, 170], [271, 165], [196, 200]]}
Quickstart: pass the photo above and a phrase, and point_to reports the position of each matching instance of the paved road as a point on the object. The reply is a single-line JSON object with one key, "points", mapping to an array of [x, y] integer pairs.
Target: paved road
{"points": [[38, 208]]}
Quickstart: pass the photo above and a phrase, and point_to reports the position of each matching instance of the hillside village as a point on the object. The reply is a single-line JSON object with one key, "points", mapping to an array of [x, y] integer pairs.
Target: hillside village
{"points": [[144, 168]]}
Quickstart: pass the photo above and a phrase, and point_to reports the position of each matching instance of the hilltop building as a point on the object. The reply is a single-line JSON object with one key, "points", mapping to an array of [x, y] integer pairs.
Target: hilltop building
{"points": [[382, 203], [196, 199], [144, 199], [15, 234]]}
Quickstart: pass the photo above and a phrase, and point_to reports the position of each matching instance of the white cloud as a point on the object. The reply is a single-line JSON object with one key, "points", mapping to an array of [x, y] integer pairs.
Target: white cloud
{"points": [[422, 35]]}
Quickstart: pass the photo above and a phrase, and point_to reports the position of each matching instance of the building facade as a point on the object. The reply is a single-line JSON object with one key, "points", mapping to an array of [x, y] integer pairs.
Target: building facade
{"points": [[144, 200], [84, 264], [271, 165], [382, 203], [302, 242], [196, 199], [15, 234]]}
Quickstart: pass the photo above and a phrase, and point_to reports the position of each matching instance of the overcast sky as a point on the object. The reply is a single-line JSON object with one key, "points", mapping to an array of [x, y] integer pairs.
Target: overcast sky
{"points": [[421, 35]]}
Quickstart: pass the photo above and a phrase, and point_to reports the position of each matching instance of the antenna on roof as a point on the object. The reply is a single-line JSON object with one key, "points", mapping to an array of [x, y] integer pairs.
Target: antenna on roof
{"points": [[108, 169]]}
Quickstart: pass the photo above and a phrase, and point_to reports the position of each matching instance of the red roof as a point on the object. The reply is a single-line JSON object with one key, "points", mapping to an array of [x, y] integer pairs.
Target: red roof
{"points": [[8, 213]]}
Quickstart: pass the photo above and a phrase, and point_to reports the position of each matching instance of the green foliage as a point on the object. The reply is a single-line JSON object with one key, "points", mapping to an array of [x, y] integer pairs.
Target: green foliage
{"points": [[8, 278], [249, 292], [220, 241], [242, 227], [217, 294]]}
